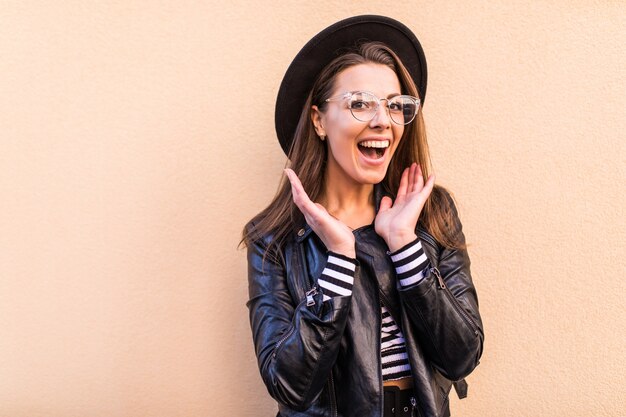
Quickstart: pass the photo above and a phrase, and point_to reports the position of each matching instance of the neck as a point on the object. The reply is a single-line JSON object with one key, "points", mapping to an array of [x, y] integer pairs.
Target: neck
{"points": [[348, 201]]}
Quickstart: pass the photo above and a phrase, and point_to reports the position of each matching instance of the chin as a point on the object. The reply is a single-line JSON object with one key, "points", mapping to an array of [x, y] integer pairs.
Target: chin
{"points": [[372, 177]]}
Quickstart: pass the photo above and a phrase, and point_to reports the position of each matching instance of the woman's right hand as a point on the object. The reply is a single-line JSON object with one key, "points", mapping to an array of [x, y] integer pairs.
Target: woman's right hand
{"points": [[334, 234]]}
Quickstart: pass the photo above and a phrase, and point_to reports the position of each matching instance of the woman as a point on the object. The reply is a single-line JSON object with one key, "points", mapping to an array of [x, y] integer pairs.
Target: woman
{"points": [[361, 299]]}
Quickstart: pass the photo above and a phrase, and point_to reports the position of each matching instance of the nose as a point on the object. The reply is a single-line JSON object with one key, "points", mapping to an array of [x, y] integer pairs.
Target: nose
{"points": [[382, 118]]}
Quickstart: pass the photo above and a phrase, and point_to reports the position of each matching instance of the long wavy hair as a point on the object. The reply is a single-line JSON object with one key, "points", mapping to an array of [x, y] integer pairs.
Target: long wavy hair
{"points": [[308, 155]]}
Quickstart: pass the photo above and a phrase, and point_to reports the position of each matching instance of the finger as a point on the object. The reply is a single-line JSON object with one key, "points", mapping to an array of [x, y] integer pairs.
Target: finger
{"points": [[419, 183], [414, 177], [385, 204], [300, 197], [411, 178], [428, 187], [404, 182], [293, 181], [296, 185]]}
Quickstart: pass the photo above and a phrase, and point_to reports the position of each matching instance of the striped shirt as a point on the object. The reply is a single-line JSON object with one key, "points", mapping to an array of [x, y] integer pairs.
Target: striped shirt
{"points": [[337, 277], [393, 349], [411, 264]]}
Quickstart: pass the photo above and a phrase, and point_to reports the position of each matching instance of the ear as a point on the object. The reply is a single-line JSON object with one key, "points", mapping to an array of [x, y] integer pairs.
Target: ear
{"points": [[316, 118]]}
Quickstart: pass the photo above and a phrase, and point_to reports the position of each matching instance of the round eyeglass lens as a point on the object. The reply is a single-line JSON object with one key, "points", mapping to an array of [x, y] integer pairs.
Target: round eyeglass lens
{"points": [[363, 106], [402, 109]]}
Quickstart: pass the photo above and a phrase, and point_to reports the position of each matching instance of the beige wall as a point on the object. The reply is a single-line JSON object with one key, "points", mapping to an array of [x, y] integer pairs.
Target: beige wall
{"points": [[128, 167]]}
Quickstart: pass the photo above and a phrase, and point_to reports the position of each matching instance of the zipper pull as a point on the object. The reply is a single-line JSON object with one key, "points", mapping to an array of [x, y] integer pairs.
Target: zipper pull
{"points": [[435, 271], [413, 405], [310, 301]]}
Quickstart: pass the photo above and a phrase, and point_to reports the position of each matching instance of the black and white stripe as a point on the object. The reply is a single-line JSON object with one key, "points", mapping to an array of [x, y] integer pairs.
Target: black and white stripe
{"points": [[395, 360], [410, 263], [337, 277]]}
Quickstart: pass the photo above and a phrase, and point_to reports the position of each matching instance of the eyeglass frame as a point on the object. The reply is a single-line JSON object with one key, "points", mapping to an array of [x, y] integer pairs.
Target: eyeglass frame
{"points": [[349, 94]]}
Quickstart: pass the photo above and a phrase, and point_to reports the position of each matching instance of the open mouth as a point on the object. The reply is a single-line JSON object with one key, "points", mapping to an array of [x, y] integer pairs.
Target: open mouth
{"points": [[373, 149]]}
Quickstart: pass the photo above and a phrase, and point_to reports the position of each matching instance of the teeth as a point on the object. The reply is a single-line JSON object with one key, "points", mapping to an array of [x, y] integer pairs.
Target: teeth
{"points": [[375, 144]]}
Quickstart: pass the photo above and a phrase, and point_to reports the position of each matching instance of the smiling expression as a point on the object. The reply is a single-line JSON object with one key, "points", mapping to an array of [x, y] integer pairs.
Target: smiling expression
{"points": [[359, 152]]}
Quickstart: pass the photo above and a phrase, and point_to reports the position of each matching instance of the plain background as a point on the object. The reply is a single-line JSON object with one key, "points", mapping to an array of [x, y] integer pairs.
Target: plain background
{"points": [[137, 139]]}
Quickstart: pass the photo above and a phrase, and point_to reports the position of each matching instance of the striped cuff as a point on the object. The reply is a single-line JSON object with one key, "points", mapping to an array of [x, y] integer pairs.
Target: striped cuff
{"points": [[338, 276], [411, 263]]}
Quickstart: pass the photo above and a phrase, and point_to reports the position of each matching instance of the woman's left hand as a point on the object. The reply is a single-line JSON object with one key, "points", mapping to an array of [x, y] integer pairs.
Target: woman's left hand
{"points": [[396, 220]]}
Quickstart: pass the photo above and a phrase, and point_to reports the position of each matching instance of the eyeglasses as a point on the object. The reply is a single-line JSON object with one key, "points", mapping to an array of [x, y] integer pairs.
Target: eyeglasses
{"points": [[363, 105]]}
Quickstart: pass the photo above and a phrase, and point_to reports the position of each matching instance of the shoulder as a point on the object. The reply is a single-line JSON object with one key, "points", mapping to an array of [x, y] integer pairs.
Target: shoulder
{"points": [[256, 239], [264, 244], [254, 235]]}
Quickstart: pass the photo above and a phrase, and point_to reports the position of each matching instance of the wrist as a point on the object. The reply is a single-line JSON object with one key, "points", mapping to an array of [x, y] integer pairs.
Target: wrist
{"points": [[348, 251], [399, 240]]}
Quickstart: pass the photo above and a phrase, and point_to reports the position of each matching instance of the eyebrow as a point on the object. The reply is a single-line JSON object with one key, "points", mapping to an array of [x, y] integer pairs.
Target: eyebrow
{"points": [[367, 91]]}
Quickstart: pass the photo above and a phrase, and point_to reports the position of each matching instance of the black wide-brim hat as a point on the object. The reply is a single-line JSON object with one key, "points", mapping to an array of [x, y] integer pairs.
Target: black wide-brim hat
{"points": [[331, 42]]}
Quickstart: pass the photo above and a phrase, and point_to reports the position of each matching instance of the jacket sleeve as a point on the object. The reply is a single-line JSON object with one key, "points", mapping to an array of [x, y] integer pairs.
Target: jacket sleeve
{"points": [[296, 344], [443, 307]]}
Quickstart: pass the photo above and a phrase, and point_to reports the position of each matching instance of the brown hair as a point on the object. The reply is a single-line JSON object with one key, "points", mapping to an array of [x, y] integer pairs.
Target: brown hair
{"points": [[307, 157]]}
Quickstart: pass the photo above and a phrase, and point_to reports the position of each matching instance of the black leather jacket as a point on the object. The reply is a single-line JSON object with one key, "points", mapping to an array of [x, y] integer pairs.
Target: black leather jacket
{"points": [[323, 359]]}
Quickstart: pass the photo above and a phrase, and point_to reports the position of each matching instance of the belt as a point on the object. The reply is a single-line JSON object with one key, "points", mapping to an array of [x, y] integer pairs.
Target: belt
{"points": [[399, 403]]}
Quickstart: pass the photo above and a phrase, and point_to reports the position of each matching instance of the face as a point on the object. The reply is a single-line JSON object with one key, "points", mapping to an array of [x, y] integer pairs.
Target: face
{"points": [[359, 152]]}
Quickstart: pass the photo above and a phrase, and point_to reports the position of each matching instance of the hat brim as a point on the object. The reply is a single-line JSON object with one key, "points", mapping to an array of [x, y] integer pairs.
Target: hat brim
{"points": [[332, 42]]}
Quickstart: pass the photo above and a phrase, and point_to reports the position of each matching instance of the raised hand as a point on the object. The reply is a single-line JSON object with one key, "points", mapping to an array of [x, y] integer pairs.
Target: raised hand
{"points": [[396, 220], [334, 234]]}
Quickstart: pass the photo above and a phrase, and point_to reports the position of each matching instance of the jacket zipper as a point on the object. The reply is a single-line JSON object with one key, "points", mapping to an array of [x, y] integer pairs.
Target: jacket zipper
{"points": [[454, 301], [310, 301], [442, 285], [282, 339]]}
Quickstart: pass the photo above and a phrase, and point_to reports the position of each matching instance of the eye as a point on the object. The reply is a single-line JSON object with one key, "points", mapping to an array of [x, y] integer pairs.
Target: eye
{"points": [[395, 106], [363, 101], [358, 104]]}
